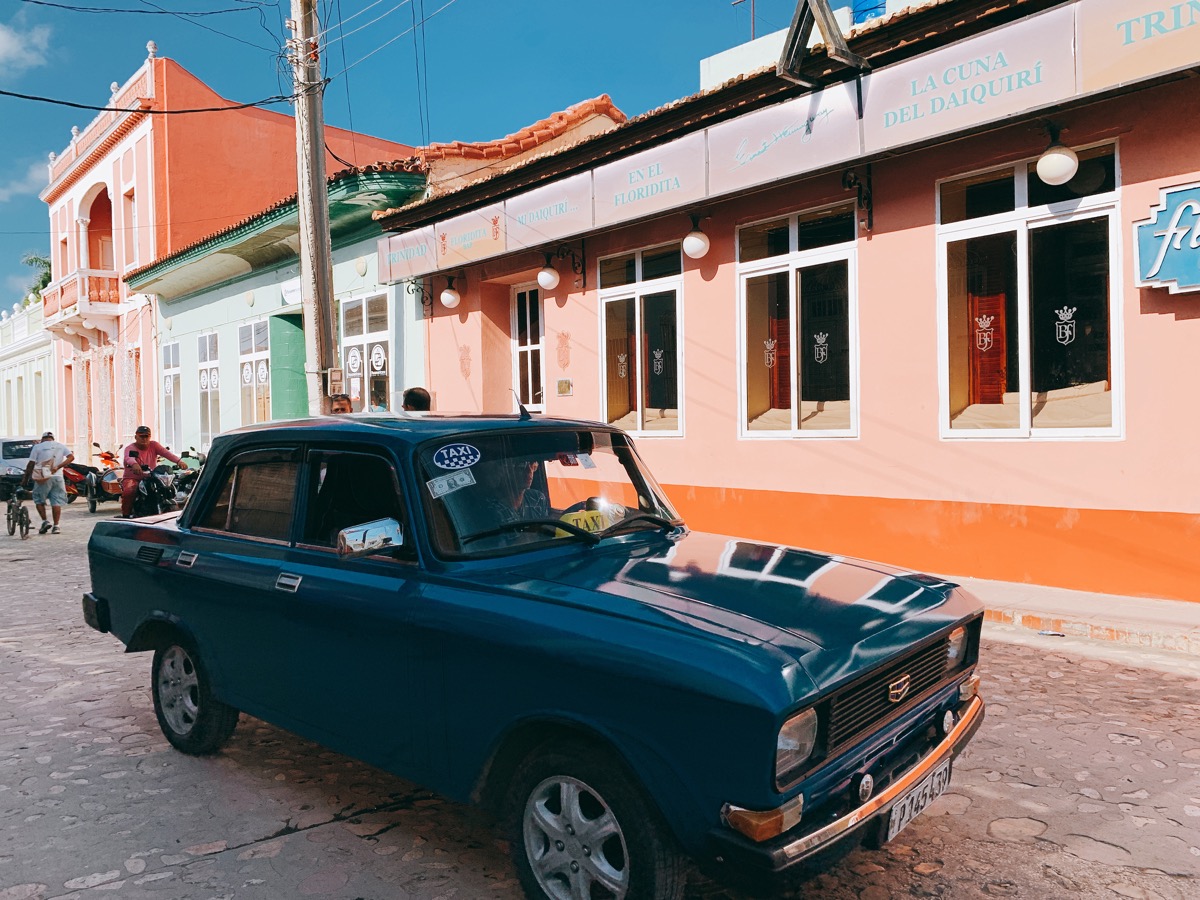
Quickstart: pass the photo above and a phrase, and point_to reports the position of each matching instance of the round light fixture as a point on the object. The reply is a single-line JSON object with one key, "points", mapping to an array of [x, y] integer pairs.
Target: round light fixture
{"points": [[547, 277], [450, 297], [695, 242], [1058, 164]]}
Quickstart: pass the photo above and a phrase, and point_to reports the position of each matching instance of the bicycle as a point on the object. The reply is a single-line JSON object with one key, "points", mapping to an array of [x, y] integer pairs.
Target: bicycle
{"points": [[16, 515]]}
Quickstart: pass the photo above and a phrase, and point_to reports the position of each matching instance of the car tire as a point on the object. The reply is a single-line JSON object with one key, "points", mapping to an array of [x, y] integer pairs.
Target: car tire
{"points": [[580, 826], [192, 719]]}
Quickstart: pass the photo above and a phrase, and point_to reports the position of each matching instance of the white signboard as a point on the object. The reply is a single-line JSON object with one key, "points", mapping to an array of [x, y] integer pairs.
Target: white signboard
{"points": [[791, 138], [470, 237], [654, 180], [407, 255], [995, 75], [550, 213]]}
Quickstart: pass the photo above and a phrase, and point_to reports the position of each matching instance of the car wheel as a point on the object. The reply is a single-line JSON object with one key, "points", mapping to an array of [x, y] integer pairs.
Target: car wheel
{"points": [[582, 828], [192, 719]]}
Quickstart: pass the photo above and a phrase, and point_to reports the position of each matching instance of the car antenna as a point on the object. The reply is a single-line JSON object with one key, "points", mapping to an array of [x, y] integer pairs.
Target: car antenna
{"points": [[525, 416]]}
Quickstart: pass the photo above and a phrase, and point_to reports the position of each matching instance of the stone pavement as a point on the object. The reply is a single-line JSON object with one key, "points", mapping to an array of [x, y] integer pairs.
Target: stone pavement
{"points": [[1082, 783]]}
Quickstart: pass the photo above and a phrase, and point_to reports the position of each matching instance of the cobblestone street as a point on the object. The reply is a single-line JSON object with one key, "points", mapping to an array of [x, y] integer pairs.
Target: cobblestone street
{"points": [[1083, 782]]}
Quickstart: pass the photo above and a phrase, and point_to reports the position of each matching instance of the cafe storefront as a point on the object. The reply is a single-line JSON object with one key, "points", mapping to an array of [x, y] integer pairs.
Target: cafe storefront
{"points": [[941, 313]]}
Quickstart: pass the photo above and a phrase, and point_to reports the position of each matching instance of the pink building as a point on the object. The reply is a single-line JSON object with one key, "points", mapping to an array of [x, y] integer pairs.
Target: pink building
{"points": [[134, 186], [861, 320]]}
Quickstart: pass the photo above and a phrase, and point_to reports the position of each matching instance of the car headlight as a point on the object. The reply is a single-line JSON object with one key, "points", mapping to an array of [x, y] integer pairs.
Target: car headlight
{"points": [[795, 744], [13, 470], [956, 650]]}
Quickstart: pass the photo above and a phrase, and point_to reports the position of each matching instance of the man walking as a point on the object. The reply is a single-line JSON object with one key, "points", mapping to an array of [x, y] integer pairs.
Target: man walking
{"points": [[142, 452], [46, 460]]}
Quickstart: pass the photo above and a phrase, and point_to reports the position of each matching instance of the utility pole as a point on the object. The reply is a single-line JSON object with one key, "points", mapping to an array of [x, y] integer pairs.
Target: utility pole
{"points": [[316, 263]]}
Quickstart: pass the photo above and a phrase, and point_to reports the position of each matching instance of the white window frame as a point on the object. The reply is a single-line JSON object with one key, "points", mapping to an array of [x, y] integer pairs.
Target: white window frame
{"points": [[175, 373], [254, 357], [635, 290], [1022, 221], [538, 346], [791, 262], [206, 396], [365, 340]]}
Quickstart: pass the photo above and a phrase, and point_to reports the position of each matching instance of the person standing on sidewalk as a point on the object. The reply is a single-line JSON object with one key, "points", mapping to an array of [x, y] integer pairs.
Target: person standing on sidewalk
{"points": [[46, 460], [142, 452]]}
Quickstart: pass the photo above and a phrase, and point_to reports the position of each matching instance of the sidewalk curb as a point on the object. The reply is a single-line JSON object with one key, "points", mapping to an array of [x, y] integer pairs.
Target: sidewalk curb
{"points": [[1134, 634]]}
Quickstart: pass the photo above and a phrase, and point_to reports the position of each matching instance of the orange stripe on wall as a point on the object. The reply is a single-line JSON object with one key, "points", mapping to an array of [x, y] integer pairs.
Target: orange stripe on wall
{"points": [[1135, 553]]}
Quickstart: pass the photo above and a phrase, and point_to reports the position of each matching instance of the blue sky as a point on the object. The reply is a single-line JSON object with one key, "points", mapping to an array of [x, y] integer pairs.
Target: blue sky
{"points": [[488, 68]]}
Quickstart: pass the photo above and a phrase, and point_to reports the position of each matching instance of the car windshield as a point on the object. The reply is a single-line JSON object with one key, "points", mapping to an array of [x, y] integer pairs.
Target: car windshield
{"points": [[16, 449], [501, 492]]}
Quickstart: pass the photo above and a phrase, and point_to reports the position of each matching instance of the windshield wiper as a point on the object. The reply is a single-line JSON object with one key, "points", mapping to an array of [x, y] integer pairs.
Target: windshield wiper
{"points": [[664, 523], [522, 524]]}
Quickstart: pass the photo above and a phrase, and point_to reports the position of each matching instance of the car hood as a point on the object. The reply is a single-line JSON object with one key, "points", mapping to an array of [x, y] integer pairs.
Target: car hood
{"points": [[835, 615]]}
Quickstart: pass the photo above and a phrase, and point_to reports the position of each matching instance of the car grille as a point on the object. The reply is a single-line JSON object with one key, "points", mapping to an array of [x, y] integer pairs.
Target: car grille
{"points": [[863, 704]]}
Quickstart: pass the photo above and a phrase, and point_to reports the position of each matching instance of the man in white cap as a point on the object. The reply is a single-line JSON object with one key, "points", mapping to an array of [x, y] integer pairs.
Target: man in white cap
{"points": [[46, 460]]}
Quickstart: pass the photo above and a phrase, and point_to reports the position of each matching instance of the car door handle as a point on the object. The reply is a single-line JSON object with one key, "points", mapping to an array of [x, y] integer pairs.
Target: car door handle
{"points": [[287, 582]]}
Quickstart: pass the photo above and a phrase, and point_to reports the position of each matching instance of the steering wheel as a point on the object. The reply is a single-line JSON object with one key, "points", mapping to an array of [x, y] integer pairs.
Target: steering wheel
{"points": [[589, 503]]}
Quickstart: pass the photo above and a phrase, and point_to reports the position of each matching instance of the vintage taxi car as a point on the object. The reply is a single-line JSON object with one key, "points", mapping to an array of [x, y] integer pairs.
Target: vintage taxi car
{"points": [[509, 610]]}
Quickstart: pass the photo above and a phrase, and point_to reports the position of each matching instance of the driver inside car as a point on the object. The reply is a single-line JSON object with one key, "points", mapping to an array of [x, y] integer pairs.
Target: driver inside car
{"points": [[513, 496]]}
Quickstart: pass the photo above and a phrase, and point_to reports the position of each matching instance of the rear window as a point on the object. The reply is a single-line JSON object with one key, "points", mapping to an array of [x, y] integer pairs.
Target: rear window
{"points": [[16, 449]]}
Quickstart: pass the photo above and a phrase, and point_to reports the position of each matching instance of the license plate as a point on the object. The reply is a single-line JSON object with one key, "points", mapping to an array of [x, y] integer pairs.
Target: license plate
{"points": [[915, 801]]}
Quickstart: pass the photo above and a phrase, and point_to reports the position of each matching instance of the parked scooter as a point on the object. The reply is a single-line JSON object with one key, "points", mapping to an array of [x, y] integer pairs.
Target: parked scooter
{"points": [[75, 479], [106, 484]]}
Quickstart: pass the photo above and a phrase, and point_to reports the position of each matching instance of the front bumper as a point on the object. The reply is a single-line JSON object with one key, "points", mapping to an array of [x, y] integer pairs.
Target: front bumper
{"points": [[768, 865]]}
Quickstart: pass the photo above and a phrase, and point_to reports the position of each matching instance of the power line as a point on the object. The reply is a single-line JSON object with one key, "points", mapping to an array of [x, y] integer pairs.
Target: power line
{"points": [[392, 40], [341, 22], [140, 12], [281, 98], [347, 34], [207, 28]]}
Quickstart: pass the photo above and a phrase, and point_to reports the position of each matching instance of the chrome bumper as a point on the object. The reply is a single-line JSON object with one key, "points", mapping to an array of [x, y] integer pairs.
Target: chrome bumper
{"points": [[948, 747]]}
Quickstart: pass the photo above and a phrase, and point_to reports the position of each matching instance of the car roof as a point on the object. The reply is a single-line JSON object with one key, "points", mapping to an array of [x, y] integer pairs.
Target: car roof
{"points": [[28, 437], [411, 428]]}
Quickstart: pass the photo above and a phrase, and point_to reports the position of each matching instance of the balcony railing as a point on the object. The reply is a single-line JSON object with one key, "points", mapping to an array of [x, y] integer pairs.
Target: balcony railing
{"points": [[92, 285]]}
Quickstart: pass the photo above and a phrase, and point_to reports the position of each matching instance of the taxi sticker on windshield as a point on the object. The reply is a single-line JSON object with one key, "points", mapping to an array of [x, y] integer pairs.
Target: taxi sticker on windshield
{"points": [[448, 484], [585, 459], [456, 456]]}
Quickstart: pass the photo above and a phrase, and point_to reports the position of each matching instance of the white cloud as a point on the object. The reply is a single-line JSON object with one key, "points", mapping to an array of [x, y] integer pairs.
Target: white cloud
{"points": [[21, 50], [34, 179]]}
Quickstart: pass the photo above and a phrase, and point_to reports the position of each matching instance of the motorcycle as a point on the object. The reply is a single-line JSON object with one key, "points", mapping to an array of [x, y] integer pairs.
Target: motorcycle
{"points": [[185, 479], [104, 484], [155, 492]]}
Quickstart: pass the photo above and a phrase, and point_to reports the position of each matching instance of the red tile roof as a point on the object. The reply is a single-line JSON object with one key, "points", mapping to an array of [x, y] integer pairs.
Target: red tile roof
{"points": [[529, 137]]}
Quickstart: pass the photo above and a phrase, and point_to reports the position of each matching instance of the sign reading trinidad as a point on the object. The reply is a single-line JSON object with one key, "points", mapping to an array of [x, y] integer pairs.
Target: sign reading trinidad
{"points": [[1167, 245]]}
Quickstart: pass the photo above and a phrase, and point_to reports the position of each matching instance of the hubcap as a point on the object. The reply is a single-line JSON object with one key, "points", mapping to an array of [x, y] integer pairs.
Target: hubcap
{"points": [[574, 843], [179, 690]]}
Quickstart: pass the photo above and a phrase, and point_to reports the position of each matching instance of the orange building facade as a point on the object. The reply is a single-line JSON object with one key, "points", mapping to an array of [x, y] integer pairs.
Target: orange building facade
{"points": [[132, 187]]}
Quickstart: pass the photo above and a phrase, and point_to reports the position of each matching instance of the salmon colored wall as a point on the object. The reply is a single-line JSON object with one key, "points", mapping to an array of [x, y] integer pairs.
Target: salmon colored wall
{"points": [[225, 166], [1118, 515]]}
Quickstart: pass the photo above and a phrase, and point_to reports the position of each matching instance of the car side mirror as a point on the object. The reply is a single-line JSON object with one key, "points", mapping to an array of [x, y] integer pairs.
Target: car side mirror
{"points": [[368, 538]]}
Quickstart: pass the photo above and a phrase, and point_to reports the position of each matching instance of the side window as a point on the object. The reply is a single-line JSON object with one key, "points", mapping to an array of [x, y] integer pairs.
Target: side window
{"points": [[346, 489], [257, 495]]}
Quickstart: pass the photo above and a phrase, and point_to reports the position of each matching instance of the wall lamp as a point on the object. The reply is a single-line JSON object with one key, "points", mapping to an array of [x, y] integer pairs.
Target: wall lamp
{"points": [[450, 297], [863, 196], [696, 242], [418, 288], [1058, 162], [547, 276]]}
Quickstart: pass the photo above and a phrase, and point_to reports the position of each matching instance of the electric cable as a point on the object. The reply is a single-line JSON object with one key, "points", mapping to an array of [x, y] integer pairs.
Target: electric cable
{"points": [[342, 37], [363, 59], [282, 98]]}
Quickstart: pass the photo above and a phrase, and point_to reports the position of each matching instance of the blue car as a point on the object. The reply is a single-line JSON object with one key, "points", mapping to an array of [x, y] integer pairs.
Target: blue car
{"points": [[508, 610]]}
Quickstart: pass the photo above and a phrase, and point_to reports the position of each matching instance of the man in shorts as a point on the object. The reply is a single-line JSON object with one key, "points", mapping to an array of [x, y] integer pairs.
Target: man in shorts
{"points": [[46, 461]]}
